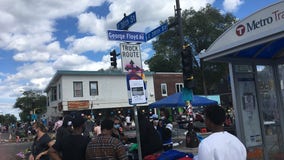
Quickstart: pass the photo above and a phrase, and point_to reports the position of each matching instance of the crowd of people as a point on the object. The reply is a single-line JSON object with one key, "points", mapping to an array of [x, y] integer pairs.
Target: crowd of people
{"points": [[78, 137]]}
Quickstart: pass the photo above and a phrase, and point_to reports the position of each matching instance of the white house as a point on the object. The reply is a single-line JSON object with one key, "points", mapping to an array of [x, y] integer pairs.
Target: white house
{"points": [[86, 90]]}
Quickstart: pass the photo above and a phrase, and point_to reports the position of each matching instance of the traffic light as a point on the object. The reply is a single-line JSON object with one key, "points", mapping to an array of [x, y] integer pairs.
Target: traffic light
{"points": [[113, 59], [187, 70]]}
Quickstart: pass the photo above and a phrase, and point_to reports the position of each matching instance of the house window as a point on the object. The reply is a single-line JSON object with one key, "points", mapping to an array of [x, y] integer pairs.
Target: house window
{"points": [[53, 94], [94, 88], [179, 87], [78, 89], [59, 91], [164, 89], [47, 103]]}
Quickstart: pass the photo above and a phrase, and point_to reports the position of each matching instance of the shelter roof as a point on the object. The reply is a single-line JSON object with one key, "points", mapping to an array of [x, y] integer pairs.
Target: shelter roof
{"points": [[259, 37]]}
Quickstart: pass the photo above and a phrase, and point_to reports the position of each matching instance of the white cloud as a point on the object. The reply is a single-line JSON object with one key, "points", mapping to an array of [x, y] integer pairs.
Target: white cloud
{"points": [[28, 31], [232, 5], [89, 22], [7, 108], [31, 56], [90, 43]]}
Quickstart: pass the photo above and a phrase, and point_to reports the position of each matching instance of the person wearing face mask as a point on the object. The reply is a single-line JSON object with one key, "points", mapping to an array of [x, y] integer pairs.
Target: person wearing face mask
{"points": [[118, 130], [73, 146]]}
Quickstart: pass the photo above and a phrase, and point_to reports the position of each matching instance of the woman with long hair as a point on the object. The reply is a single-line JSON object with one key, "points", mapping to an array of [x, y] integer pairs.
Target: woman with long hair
{"points": [[41, 143]]}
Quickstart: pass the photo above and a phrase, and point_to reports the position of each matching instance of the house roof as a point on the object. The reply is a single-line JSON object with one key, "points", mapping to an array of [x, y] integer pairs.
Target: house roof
{"points": [[257, 38]]}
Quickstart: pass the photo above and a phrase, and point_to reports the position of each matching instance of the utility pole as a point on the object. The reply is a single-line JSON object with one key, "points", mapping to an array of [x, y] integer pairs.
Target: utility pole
{"points": [[187, 59], [180, 32], [191, 138]]}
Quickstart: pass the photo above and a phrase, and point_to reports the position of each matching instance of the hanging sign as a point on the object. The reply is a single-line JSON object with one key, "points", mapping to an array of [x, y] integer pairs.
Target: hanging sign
{"points": [[137, 91], [130, 57]]}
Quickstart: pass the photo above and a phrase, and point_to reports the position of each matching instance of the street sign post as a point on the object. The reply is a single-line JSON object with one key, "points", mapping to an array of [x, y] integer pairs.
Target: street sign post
{"points": [[127, 36], [157, 31], [126, 22]]}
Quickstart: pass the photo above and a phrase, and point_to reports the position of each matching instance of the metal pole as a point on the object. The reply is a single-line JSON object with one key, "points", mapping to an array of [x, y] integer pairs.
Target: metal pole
{"points": [[180, 25], [137, 132]]}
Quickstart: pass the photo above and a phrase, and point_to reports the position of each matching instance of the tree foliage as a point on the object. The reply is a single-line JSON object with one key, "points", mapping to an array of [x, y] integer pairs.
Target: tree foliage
{"points": [[7, 119], [31, 101], [200, 29]]}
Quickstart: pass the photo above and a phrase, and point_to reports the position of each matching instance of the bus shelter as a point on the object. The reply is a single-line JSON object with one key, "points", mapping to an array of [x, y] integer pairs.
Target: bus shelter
{"points": [[254, 51]]}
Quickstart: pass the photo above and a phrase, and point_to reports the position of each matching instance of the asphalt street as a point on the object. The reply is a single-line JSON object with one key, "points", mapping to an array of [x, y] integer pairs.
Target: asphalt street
{"points": [[9, 149]]}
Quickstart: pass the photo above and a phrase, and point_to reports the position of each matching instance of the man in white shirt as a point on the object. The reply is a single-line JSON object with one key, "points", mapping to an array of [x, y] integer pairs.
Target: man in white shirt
{"points": [[220, 145]]}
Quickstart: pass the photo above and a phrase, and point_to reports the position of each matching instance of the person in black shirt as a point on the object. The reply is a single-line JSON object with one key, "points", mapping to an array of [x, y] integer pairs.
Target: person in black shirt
{"points": [[149, 136], [73, 146], [41, 143], [65, 129]]}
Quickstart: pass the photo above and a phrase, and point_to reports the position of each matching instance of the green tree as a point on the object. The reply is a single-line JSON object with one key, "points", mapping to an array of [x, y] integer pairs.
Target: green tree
{"points": [[7, 119], [30, 102], [200, 29]]}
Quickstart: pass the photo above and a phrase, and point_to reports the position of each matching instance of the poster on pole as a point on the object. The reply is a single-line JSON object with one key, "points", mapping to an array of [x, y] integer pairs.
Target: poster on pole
{"points": [[131, 60], [137, 91], [136, 88]]}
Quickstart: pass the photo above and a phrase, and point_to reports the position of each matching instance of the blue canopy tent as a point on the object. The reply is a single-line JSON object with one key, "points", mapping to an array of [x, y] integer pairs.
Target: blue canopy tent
{"points": [[176, 100]]}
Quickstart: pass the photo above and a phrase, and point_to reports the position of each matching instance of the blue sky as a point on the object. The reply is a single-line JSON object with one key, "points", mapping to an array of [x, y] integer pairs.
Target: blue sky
{"points": [[37, 38]]}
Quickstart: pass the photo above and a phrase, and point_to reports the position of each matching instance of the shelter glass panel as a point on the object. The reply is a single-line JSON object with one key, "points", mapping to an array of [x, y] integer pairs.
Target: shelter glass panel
{"points": [[269, 110], [249, 110]]}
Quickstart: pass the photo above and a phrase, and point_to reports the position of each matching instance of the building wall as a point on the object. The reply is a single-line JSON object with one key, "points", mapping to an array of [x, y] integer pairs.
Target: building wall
{"points": [[171, 79], [112, 91]]}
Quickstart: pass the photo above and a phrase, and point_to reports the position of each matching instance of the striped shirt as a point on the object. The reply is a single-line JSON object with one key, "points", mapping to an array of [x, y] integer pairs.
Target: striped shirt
{"points": [[105, 147]]}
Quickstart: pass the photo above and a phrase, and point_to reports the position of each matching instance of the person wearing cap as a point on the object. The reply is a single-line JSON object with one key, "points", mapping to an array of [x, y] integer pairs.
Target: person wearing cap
{"points": [[105, 146], [220, 144], [154, 119], [72, 146]]}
